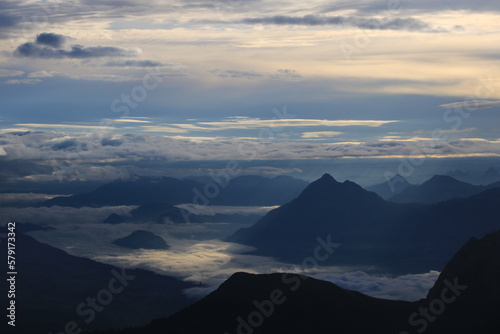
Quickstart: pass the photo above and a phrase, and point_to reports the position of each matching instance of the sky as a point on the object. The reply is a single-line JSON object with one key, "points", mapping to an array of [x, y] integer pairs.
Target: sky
{"points": [[198, 80]]}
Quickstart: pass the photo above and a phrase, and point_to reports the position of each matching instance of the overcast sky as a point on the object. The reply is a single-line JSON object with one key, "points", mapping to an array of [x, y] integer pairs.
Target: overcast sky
{"points": [[316, 79]]}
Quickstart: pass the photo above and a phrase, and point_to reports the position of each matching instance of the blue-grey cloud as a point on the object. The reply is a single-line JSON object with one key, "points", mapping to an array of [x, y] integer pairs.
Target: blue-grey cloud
{"points": [[48, 45], [409, 23], [236, 74], [134, 63], [51, 39]]}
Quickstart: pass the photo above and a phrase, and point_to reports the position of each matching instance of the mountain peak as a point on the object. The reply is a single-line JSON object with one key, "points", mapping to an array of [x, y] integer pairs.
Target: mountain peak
{"points": [[328, 177]]}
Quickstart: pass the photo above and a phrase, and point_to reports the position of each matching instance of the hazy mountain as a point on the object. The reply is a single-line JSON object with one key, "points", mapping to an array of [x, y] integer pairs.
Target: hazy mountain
{"points": [[391, 187], [439, 188], [465, 299], [258, 190], [54, 288], [242, 190], [129, 192], [372, 232], [142, 239], [461, 175], [491, 175]]}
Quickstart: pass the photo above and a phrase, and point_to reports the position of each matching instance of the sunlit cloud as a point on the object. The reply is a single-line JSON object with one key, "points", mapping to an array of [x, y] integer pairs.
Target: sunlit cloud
{"points": [[320, 134], [472, 104]]}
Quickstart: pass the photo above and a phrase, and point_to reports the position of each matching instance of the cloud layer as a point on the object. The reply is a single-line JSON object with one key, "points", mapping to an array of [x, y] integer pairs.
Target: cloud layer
{"points": [[48, 45]]}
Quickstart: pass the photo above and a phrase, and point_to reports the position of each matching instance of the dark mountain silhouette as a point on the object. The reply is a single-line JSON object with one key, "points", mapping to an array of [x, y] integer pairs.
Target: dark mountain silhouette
{"points": [[465, 299], [283, 303], [372, 232], [439, 188], [142, 239], [54, 288], [129, 192], [391, 187], [114, 219], [475, 267], [243, 190]]}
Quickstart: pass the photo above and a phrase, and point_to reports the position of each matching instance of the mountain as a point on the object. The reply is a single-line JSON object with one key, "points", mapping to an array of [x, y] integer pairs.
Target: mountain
{"points": [[372, 233], [439, 188], [391, 187], [283, 303], [129, 192], [490, 175], [53, 289], [475, 269], [461, 175], [465, 299], [142, 239], [258, 190], [242, 190]]}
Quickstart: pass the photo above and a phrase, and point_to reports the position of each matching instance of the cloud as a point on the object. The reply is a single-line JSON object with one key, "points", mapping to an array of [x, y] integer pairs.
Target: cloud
{"points": [[51, 39], [284, 74], [472, 105], [41, 74], [23, 81], [134, 63], [48, 45], [408, 24], [320, 134], [10, 73], [236, 74], [209, 261]]}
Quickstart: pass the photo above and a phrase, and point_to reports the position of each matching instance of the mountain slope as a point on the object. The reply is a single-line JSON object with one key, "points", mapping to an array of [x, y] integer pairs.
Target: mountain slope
{"points": [[283, 303], [53, 287], [142, 239], [438, 189], [397, 238], [242, 190], [391, 187]]}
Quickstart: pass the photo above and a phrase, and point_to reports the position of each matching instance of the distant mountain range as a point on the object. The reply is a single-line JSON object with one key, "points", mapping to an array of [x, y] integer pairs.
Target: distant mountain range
{"points": [[465, 299], [391, 187], [439, 188], [242, 190], [54, 288], [489, 176], [395, 238]]}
